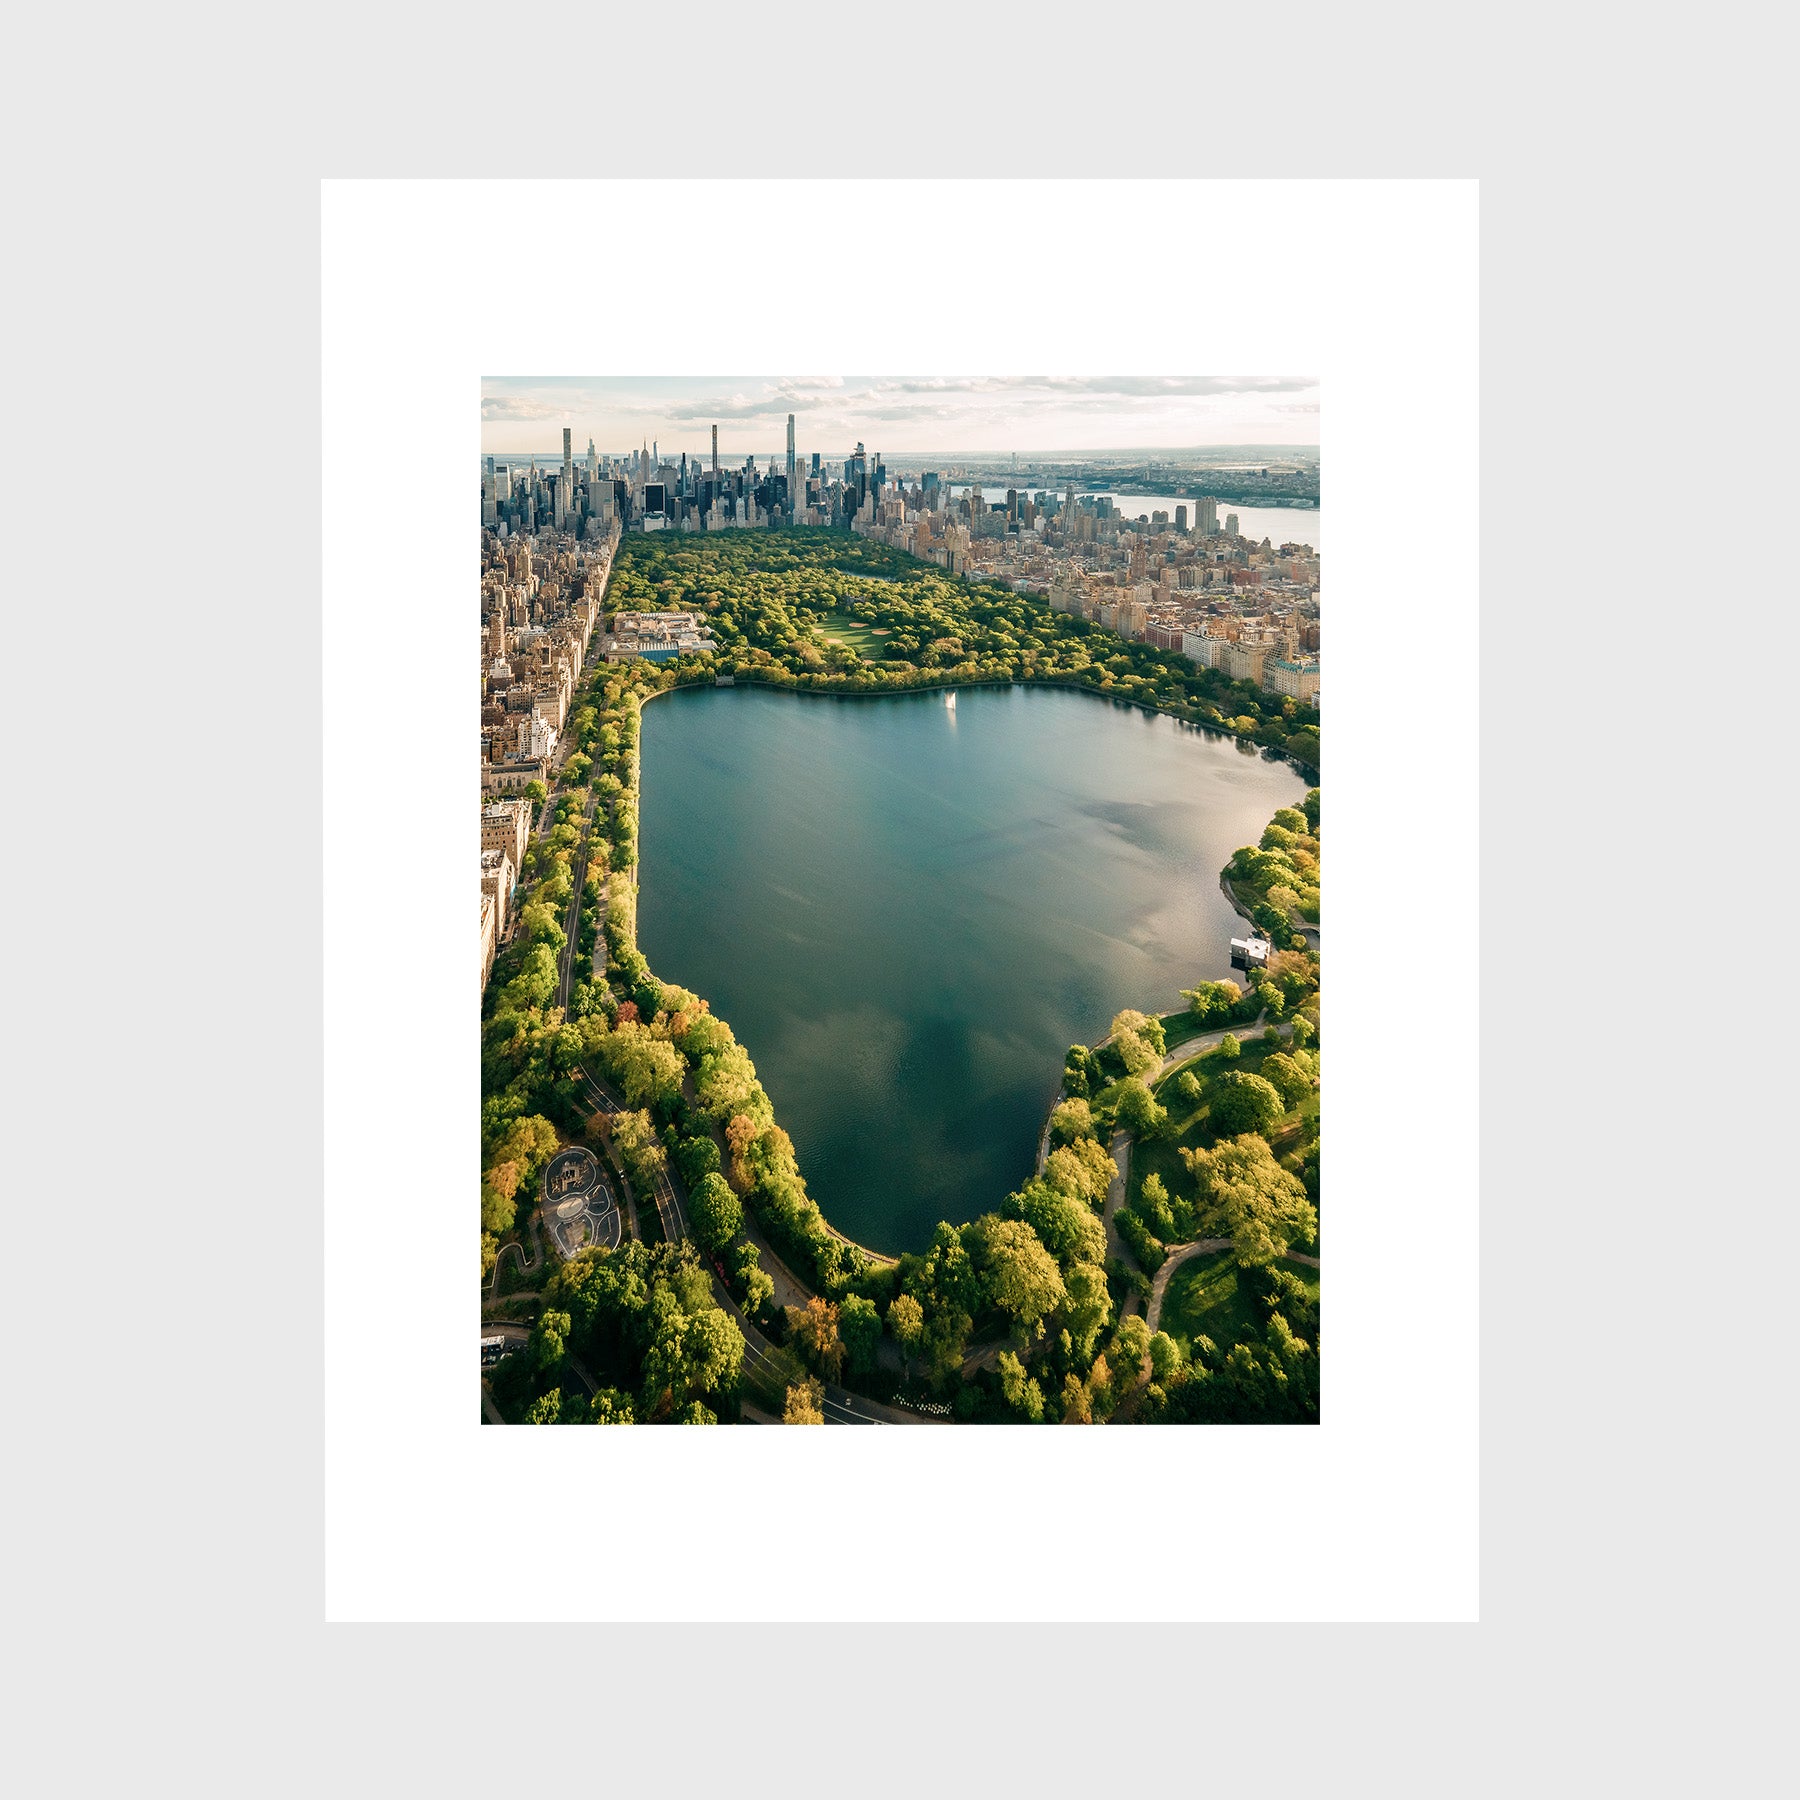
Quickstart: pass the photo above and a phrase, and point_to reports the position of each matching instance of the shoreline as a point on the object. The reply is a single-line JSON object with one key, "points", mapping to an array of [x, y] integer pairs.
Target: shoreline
{"points": [[880, 1257]]}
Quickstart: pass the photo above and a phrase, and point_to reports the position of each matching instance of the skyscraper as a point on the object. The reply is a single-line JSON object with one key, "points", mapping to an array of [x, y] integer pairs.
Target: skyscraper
{"points": [[715, 456], [790, 467], [568, 464]]}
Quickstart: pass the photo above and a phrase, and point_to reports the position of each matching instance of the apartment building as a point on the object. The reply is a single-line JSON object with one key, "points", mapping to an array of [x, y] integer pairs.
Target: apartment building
{"points": [[506, 827]]}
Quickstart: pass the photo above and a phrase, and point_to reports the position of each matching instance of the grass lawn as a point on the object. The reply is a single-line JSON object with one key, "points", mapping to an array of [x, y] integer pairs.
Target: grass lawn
{"points": [[845, 628], [1187, 1124], [1178, 1027], [1204, 1300]]}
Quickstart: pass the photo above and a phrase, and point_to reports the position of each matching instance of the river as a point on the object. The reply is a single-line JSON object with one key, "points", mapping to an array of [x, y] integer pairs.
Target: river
{"points": [[907, 913], [1279, 524]]}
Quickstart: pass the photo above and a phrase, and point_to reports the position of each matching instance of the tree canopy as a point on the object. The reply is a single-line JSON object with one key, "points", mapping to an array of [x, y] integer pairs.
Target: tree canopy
{"points": [[1246, 1195]]}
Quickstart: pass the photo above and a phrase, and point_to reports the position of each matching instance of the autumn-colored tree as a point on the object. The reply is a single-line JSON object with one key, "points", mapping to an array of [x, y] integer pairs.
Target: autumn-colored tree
{"points": [[815, 1329], [740, 1134], [498, 1186], [805, 1403]]}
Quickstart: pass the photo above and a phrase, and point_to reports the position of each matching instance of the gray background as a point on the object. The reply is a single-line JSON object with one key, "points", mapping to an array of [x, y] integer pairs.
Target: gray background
{"points": [[165, 1024]]}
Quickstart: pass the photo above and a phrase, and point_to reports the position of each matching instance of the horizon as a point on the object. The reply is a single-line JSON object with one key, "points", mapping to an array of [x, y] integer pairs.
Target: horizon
{"points": [[1063, 418]]}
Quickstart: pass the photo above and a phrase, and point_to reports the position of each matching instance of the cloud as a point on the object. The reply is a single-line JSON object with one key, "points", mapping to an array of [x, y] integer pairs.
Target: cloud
{"points": [[517, 406], [778, 397], [1149, 387]]}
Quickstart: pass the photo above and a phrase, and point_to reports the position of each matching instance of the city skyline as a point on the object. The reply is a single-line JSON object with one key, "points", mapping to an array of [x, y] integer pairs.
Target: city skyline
{"points": [[905, 415]]}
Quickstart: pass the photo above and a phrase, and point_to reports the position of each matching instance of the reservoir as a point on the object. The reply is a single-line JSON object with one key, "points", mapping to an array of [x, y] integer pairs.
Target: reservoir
{"points": [[908, 912]]}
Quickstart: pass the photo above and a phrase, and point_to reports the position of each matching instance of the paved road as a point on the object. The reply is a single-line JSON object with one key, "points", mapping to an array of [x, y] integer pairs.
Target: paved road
{"points": [[669, 1209], [841, 1407]]}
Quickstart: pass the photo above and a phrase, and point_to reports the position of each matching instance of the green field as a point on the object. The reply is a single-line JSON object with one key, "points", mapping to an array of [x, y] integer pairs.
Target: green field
{"points": [[1187, 1124], [1204, 1300], [845, 628], [1178, 1027]]}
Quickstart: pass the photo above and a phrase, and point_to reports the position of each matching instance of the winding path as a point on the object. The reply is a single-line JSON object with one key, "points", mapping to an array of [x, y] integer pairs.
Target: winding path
{"points": [[1185, 1051], [527, 1266], [1200, 1247]]}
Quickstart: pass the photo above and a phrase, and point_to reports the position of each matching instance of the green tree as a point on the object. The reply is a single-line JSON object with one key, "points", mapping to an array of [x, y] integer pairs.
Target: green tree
{"points": [[1153, 1206], [1229, 1048], [1247, 1196], [1018, 1274], [1212, 999], [647, 1067], [549, 1340], [1135, 1052], [713, 1351], [1089, 1307], [1165, 1357], [1138, 1112], [1071, 1120], [726, 1082], [715, 1212], [906, 1323], [1064, 1222], [635, 1138], [1130, 1346], [1017, 1388], [1187, 1085], [1084, 1168], [859, 1325], [1293, 1083], [1240, 1103]]}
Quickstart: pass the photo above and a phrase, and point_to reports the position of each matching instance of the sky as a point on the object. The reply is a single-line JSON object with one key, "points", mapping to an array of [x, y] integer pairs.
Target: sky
{"points": [[897, 415]]}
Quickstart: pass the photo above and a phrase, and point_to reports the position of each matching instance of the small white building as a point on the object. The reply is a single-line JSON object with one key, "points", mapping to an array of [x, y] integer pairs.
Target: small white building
{"points": [[1252, 952]]}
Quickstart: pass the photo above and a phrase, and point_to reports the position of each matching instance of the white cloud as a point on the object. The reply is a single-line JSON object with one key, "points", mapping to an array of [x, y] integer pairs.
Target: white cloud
{"points": [[519, 406]]}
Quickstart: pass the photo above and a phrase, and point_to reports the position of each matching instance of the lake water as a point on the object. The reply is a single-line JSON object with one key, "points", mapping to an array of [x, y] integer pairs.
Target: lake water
{"points": [[907, 913], [1279, 524]]}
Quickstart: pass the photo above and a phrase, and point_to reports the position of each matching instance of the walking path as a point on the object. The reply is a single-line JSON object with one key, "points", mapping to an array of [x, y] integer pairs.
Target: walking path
{"points": [[531, 1266], [1200, 1247], [1115, 1198], [1173, 1261], [1185, 1051]]}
